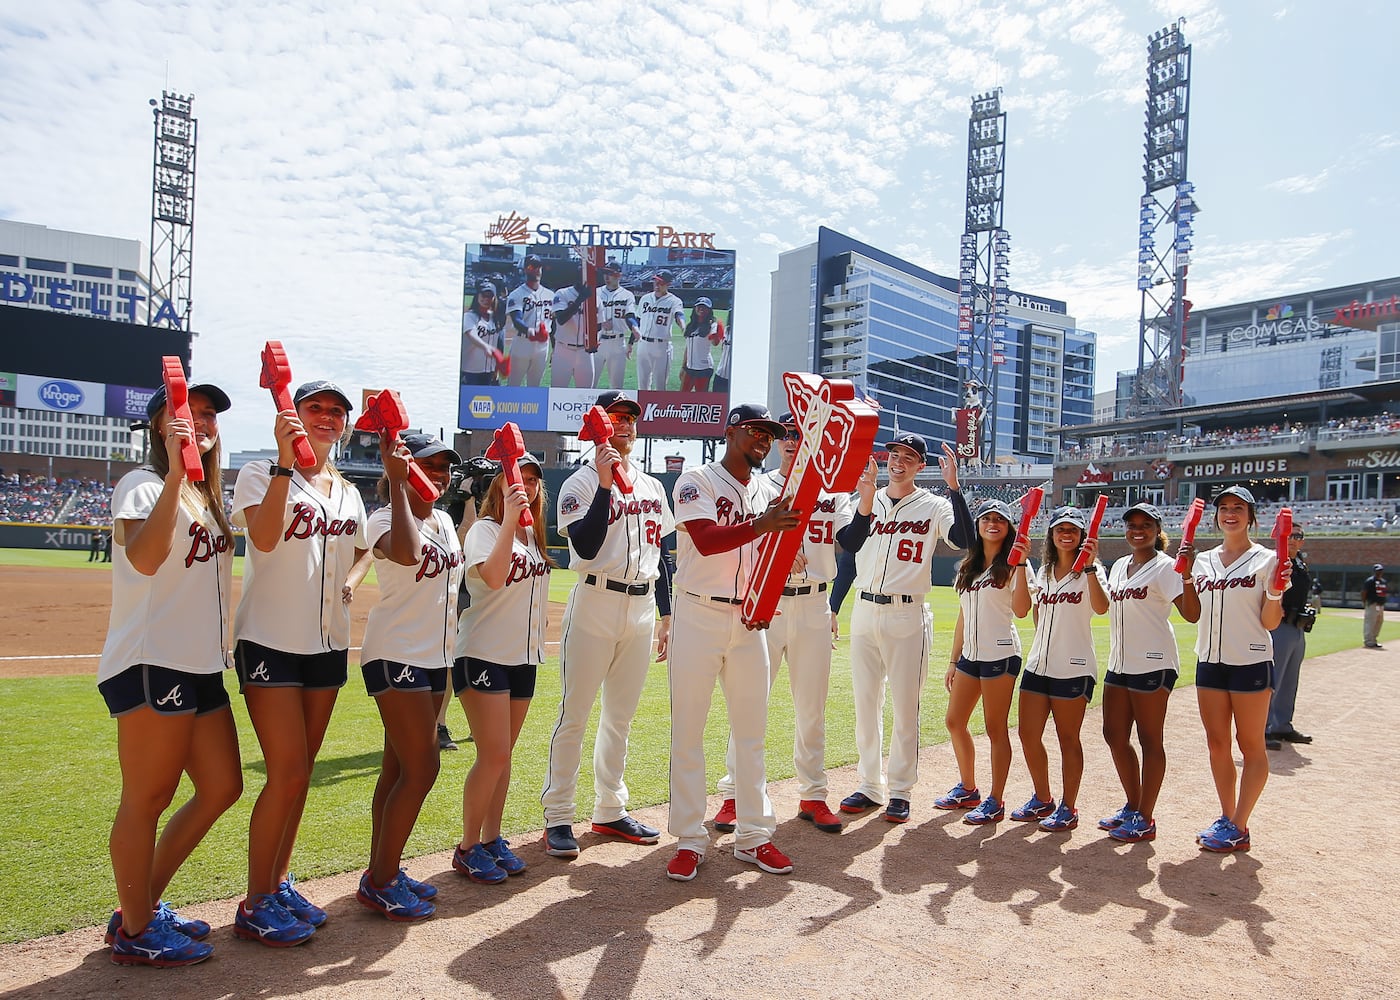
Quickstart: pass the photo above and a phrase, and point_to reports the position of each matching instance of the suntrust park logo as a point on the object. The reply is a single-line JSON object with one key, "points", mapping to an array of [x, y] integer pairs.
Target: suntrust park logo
{"points": [[61, 395], [690, 413], [515, 228]]}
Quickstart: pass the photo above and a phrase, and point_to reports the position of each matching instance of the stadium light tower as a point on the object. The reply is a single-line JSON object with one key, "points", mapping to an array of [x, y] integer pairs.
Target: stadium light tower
{"points": [[1167, 206], [983, 260], [172, 207]]}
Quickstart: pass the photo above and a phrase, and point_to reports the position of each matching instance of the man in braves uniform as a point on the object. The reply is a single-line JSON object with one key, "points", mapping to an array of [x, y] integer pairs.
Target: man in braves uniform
{"points": [[571, 359], [720, 512], [659, 311], [531, 310], [802, 630], [618, 329], [891, 626], [616, 546]]}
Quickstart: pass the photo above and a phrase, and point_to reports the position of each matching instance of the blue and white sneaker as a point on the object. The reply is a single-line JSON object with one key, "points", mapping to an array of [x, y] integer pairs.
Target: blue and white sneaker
{"points": [[1034, 810], [989, 810], [1135, 828], [506, 859], [958, 798], [395, 900], [270, 923], [1225, 838], [195, 930], [1117, 819], [477, 864], [423, 890], [297, 904], [160, 944], [1063, 818], [1212, 829]]}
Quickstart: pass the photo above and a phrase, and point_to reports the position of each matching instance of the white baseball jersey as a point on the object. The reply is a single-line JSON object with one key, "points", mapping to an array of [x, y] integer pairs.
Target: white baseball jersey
{"points": [[989, 626], [897, 558], [1063, 647], [291, 596], [1141, 638], [504, 626], [697, 349], [658, 314], [710, 493], [415, 621], [830, 514], [615, 307], [535, 305], [178, 617], [479, 336], [570, 332], [724, 356], [637, 523], [1231, 600]]}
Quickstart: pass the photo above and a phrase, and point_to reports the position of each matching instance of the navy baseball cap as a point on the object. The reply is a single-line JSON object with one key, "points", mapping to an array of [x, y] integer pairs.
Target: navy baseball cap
{"points": [[486, 288], [1234, 491], [755, 415], [611, 267], [532, 260], [1144, 508], [999, 508], [322, 385], [216, 396], [1070, 515], [665, 276], [528, 459], [914, 442], [1378, 568], [704, 300], [619, 399], [426, 446]]}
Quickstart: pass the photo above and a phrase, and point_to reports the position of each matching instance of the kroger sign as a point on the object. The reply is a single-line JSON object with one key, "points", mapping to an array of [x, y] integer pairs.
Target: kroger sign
{"points": [[39, 392]]}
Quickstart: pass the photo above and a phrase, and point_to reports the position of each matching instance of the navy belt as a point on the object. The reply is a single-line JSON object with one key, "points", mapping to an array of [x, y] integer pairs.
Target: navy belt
{"points": [[820, 588], [657, 340], [865, 595], [717, 600], [618, 587]]}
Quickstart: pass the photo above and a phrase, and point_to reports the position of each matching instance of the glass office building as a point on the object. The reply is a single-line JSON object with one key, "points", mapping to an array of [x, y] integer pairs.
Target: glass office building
{"points": [[844, 309]]}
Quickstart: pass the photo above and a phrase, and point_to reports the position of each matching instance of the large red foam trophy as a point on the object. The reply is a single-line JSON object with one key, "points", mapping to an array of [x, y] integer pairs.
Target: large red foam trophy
{"points": [[598, 429], [837, 436], [508, 447], [277, 375], [1283, 527], [385, 415], [177, 401]]}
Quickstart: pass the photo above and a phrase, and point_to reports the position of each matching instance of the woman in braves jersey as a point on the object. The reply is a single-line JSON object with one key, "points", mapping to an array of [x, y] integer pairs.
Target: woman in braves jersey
{"points": [[306, 530], [161, 675], [1234, 661], [405, 660], [1142, 667], [702, 331], [500, 645], [986, 657], [1061, 669], [482, 338]]}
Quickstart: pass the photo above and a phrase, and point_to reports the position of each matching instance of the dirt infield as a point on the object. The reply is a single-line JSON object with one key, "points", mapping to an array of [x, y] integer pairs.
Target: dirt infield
{"points": [[925, 909]]}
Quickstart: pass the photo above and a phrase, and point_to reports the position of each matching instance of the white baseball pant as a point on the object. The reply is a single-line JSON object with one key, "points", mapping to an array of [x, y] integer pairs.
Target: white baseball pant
{"points": [[653, 364], [571, 363], [527, 361], [612, 358], [889, 645]]}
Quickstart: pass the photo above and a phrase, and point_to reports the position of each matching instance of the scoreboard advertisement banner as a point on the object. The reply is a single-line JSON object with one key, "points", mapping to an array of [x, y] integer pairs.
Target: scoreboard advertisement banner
{"points": [[547, 325]]}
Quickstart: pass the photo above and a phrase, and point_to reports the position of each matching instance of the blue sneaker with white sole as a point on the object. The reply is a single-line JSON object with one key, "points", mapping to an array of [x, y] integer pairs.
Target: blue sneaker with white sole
{"points": [[298, 905], [959, 797], [195, 930], [396, 901], [1135, 828], [1035, 809], [1225, 838], [989, 810], [1117, 819], [160, 945], [269, 922], [1212, 829], [477, 864], [423, 890], [1063, 818], [506, 859]]}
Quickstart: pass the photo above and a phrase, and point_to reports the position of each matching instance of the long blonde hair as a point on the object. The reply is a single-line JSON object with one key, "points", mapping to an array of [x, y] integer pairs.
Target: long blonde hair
{"points": [[195, 497], [493, 506]]}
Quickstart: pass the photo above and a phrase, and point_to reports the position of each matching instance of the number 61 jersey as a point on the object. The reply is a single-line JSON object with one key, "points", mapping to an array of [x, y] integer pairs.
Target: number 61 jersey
{"points": [[897, 558]]}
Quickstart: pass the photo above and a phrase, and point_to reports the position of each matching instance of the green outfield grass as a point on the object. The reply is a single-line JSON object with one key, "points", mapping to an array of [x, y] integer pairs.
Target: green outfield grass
{"points": [[61, 782], [74, 559]]}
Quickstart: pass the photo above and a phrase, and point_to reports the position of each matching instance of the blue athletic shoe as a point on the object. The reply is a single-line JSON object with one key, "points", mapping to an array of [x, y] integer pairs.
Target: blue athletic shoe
{"points": [[297, 904], [958, 798], [195, 930], [1063, 818], [1117, 819], [270, 923], [160, 944], [1210, 830], [1225, 838], [423, 890], [395, 900], [1033, 810], [989, 810], [477, 864], [1135, 828], [505, 857]]}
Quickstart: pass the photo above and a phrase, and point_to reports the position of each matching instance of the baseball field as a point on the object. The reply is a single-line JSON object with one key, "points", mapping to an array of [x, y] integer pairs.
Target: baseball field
{"points": [[930, 908]]}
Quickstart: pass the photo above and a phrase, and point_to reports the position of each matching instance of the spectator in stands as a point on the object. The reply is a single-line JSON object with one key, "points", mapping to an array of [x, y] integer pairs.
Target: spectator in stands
{"points": [[1290, 646], [1374, 593]]}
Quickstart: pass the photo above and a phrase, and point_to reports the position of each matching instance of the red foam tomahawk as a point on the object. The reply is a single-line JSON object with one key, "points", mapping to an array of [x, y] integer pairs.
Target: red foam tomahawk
{"points": [[177, 402], [1030, 506], [1283, 527], [1095, 522], [837, 435], [1188, 530], [507, 448], [385, 415], [598, 429], [277, 375]]}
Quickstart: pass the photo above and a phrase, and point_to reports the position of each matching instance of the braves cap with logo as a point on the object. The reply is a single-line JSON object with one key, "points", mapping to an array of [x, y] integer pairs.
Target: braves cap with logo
{"points": [[617, 399], [755, 415], [322, 385], [998, 507], [1144, 508], [914, 442], [427, 445], [1069, 515], [1234, 491], [216, 396]]}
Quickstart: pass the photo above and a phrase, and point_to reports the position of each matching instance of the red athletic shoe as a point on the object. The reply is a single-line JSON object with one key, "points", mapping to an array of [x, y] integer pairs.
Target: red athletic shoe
{"points": [[816, 813], [767, 857], [682, 866], [726, 817]]}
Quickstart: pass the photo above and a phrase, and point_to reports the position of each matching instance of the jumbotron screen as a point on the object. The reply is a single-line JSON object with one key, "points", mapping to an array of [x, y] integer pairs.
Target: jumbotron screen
{"points": [[546, 327]]}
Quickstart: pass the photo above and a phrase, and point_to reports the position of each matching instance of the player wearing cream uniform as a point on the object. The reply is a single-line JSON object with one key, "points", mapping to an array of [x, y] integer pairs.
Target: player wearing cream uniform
{"points": [[719, 515], [571, 359], [618, 329], [615, 546], [658, 312], [530, 308]]}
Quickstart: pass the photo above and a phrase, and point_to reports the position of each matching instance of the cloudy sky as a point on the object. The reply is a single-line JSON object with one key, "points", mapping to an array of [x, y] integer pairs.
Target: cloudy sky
{"points": [[347, 151]]}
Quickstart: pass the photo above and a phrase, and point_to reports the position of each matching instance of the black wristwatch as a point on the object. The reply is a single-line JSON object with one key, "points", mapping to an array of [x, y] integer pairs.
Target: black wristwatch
{"points": [[279, 470]]}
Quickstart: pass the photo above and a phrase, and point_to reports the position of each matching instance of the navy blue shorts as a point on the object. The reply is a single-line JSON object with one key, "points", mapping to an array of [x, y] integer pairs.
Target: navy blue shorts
{"points": [[493, 678], [1155, 680], [1242, 679], [1059, 687], [168, 691], [260, 666], [989, 670], [390, 675]]}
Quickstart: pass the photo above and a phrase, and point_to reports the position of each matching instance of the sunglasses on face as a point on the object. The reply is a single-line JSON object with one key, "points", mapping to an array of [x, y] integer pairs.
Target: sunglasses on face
{"points": [[762, 437]]}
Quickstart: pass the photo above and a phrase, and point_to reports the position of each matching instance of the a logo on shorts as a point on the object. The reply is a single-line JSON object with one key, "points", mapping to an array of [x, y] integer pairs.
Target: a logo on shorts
{"points": [[483, 679], [405, 676], [259, 673], [172, 697]]}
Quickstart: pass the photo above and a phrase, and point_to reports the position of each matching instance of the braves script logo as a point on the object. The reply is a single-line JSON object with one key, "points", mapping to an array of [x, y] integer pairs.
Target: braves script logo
{"points": [[1129, 594], [510, 228], [983, 583], [726, 514], [1068, 597], [1247, 582], [435, 562], [621, 508], [524, 569], [901, 527], [204, 545], [173, 697], [307, 521]]}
